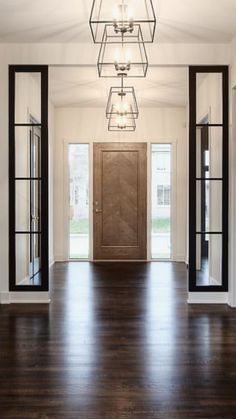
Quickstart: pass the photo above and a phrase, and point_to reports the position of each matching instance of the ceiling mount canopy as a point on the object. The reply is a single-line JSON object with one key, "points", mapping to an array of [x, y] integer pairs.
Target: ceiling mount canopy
{"points": [[123, 15], [123, 55]]}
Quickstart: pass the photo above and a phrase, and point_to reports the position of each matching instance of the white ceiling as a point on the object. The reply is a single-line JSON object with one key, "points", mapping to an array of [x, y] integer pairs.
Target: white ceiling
{"points": [[81, 86], [67, 20], [178, 21]]}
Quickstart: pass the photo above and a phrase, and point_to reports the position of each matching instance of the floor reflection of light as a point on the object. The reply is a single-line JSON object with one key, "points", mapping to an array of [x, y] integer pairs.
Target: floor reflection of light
{"points": [[79, 330], [161, 330], [205, 332]]}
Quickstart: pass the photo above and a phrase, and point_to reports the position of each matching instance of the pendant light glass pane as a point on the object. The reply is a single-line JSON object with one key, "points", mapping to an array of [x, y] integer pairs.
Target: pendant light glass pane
{"points": [[123, 15], [122, 101], [121, 123], [123, 55]]}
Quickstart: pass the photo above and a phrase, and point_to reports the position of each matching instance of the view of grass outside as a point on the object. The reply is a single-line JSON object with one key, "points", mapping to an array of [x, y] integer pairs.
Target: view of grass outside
{"points": [[161, 225], [79, 226]]}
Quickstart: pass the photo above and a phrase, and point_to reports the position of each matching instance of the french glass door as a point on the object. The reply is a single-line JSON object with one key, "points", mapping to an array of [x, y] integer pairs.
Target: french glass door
{"points": [[208, 178], [28, 178]]}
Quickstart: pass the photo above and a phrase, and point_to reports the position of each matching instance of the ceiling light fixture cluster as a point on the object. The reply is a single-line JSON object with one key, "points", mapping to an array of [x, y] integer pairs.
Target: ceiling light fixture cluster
{"points": [[122, 35]]}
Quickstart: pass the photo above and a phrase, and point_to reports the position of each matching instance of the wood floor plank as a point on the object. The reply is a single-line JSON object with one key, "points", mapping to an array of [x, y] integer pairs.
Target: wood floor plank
{"points": [[118, 341]]}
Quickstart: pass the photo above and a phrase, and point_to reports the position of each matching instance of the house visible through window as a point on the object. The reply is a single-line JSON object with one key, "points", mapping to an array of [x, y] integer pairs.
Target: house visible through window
{"points": [[161, 201], [163, 195]]}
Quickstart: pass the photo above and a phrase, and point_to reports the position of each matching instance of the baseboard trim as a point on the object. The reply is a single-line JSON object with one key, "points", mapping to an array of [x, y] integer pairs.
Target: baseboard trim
{"points": [[178, 258], [22, 297], [232, 302], [208, 298], [60, 258], [4, 297]]}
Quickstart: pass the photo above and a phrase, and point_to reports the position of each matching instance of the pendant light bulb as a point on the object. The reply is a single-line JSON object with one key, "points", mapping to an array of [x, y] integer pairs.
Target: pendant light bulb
{"points": [[121, 122], [122, 21]]}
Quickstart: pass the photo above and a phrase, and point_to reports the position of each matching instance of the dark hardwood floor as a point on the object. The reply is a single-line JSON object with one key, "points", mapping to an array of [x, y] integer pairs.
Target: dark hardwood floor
{"points": [[118, 341]]}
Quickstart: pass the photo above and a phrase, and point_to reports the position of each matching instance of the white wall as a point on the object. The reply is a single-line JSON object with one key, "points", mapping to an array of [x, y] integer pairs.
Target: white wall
{"points": [[153, 125]]}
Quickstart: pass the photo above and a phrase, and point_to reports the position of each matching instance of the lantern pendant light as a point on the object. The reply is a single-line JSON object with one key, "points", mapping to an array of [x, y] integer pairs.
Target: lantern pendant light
{"points": [[122, 29], [122, 109], [122, 101], [123, 16], [125, 57]]}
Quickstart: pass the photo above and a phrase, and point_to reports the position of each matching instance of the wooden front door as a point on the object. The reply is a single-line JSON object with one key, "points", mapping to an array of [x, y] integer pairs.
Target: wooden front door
{"points": [[120, 201]]}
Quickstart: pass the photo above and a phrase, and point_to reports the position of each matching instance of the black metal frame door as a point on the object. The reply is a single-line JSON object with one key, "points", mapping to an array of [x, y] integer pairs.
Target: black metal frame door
{"points": [[40, 229], [193, 179]]}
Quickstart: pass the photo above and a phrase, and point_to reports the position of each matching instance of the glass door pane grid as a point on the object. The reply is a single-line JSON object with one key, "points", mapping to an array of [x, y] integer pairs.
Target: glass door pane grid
{"points": [[224, 179], [206, 179], [30, 178], [30, 232], [39, 283]]}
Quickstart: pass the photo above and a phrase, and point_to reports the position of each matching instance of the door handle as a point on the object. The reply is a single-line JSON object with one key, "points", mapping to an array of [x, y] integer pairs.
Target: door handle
{"points": [[97, 211]]}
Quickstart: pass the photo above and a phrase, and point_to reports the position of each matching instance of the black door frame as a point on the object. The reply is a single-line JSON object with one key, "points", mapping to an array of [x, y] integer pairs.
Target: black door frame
{"points": [[43, 69], [193, 125]]}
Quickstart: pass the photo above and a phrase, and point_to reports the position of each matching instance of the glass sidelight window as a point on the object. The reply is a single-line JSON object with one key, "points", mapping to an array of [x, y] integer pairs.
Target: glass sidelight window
{"points": [[28, 178], [161, 201], [208, 179], [79, 201]]}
